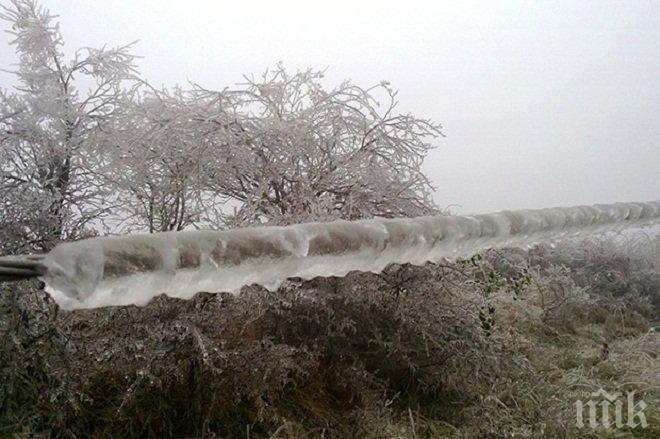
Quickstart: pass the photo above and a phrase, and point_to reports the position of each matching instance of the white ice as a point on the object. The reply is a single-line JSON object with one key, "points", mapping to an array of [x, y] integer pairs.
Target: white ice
{"points": [[133, 269]]}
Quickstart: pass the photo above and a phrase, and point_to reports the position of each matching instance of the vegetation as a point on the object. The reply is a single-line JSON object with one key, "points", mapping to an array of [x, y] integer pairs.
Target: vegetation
{"points": [[500, 345], [88, 147]]}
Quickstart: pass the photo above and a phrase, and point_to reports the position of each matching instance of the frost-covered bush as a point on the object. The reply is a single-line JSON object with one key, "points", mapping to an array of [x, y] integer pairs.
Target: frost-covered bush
{"points": [[499, 345], [624, 271], [223, 361]]}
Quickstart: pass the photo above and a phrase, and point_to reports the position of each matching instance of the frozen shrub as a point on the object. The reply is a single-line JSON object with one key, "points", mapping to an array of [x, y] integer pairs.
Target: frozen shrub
{"points": [[499, 345], [220, 362], [622, 272]]}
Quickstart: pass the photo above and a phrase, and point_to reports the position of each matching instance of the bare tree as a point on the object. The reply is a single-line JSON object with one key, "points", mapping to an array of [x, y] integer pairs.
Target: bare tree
{"points": [[290, 151], [51, 131]]}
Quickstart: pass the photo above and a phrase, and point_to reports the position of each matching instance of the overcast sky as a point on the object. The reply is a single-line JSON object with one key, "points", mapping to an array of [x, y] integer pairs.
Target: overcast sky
{"points": [[543, 103]]}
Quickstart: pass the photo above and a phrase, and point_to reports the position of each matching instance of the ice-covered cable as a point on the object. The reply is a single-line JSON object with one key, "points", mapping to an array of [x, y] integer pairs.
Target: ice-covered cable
{"points": [[133, 269]]}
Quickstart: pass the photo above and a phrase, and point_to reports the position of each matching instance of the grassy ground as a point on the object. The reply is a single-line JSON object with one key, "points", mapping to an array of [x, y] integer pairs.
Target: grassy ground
{"points": [[501, 345]]}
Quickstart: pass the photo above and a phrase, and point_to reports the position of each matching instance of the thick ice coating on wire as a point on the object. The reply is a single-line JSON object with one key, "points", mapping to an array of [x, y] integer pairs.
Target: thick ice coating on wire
{"points": [[135, 268]]}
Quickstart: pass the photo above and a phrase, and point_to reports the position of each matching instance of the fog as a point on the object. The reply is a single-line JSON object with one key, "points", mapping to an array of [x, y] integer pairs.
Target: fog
{"points": [[542, 103]]}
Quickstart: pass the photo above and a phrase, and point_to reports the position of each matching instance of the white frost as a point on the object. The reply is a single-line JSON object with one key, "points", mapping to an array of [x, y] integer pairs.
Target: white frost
{"points": [[135, 268]]}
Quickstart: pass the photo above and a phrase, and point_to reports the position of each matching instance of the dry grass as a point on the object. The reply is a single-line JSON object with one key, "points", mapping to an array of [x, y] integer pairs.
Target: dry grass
{"points": [[497, 346]]}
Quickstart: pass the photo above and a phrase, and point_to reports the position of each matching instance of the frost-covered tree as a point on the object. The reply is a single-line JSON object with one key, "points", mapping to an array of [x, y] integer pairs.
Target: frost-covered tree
{"points": [[291, 150], [158, 162], [281, 149], [52, 127], [78, 145]]}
